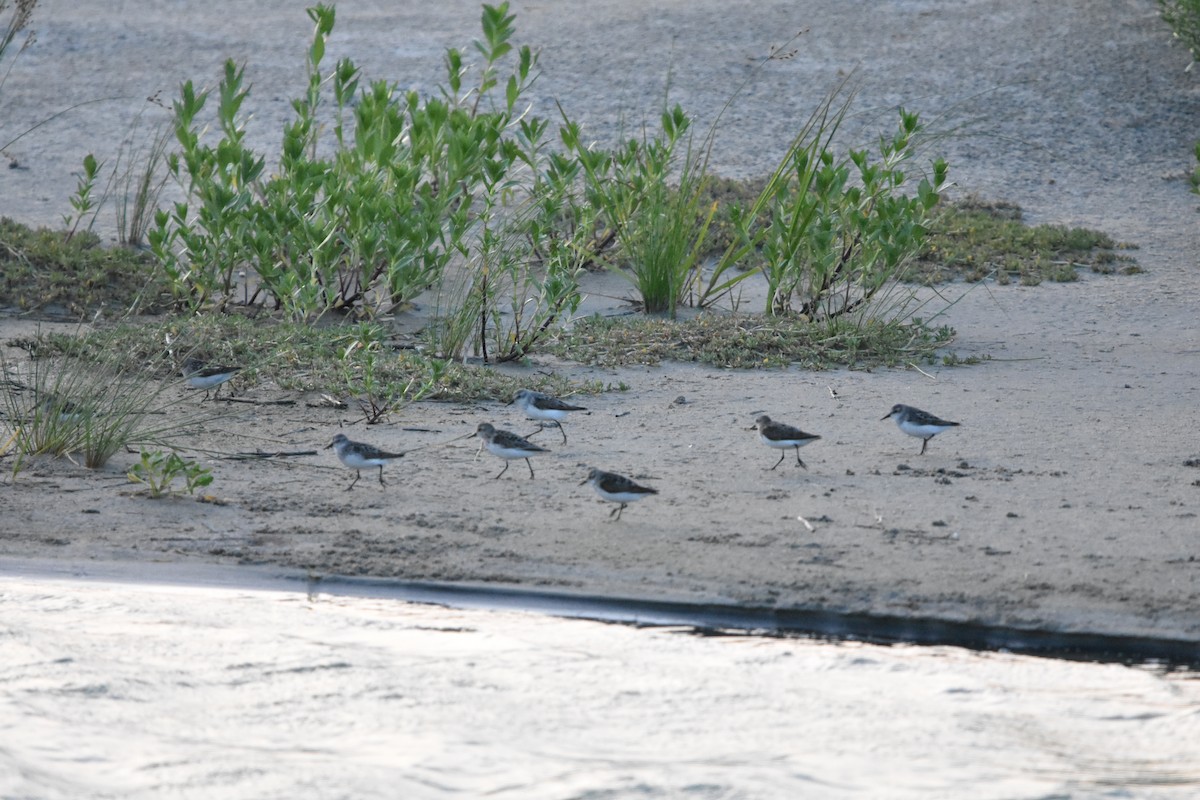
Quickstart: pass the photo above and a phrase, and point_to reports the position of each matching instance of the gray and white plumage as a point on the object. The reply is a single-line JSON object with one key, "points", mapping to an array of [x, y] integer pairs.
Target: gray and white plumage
{"points": [[61, 409], [921, 424], [781, 436], [508, 445], [616, 489], [545, 408], [358, 455], [202, 376]]}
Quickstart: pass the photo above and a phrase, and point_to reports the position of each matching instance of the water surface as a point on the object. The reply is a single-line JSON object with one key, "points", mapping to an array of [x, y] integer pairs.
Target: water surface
{"points": [[141, 690]]}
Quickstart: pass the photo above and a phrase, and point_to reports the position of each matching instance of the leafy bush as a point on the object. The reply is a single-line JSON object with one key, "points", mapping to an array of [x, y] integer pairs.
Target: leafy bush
{"points": [[1184, 18], [520, 273], [462, 192], [833, 244], [370, 226]]}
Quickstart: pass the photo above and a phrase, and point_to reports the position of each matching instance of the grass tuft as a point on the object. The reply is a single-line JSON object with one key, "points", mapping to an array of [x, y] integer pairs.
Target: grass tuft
{"points": [[41, 270], [358, 362], [749, 341], [83, 396], [972, 240]]}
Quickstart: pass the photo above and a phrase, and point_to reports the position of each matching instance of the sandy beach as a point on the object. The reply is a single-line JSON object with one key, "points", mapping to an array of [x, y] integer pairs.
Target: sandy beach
{"points": [[1067, 499]]}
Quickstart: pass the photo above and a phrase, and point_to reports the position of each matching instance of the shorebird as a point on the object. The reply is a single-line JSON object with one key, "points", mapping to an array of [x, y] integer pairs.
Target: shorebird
{"points": [[61, 409], [508, 446], [781, 436], [616, 489], [545, 408], [921, 424], [201, 376], [357, 455]]}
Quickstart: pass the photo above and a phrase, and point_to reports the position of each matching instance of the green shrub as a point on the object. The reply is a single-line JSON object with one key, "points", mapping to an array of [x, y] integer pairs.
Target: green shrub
{"points": [[368, 227], [840, 233], [1184, 18]]}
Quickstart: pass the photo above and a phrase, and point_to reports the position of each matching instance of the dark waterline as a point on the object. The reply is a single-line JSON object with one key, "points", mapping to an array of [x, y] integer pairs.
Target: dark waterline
{"points": [[702, 618], [718, 619]]}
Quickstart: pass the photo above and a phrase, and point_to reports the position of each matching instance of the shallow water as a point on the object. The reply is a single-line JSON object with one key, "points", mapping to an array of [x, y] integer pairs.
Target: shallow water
{"points": [[135, 690]]}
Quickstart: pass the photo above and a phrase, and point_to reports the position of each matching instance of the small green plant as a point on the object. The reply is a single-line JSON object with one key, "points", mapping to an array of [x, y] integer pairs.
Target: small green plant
{"points": [[380, 392], [82, 201], [158, 471], [530, 239], [525, 275]]}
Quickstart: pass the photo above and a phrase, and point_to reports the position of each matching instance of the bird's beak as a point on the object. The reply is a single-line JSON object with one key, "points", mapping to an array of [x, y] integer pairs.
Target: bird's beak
{"points": [[326, 447], [885, 417]]}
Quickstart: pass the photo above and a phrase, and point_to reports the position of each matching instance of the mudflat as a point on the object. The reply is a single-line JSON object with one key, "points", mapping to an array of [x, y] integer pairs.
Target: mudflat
{"points": [[1066, 500]]}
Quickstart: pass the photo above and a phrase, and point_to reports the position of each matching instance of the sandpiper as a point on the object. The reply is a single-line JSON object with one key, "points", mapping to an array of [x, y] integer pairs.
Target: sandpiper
{"points": [[616, 489], [357, 455], [201, 376], [61, 409], [508, 446], [781, 436], [921, 424], [545, 408]]}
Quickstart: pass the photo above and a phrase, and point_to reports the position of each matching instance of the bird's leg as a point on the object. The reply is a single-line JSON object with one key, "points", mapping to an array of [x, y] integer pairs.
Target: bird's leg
{"points": [[503, 470], [924, 444], [381, 483], [560, 430], [798, 461], [528, 464], [357, 475], [782, 456]]}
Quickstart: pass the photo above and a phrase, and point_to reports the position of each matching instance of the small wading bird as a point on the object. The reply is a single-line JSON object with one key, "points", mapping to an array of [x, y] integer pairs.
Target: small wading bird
{"points": [[921, 424], [62, 410], [200, 376], [357, 455], [616, 489], [778, 435], [508, 446], [545, 408]]}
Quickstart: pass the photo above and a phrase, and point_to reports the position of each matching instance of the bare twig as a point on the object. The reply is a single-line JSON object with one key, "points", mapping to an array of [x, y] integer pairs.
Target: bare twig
{"points": [[923, 372], [259, 454]]}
